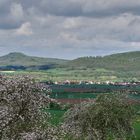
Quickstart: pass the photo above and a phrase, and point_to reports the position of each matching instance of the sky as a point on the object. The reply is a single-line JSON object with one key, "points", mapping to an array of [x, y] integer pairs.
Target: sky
{"points": [[69, 28]]}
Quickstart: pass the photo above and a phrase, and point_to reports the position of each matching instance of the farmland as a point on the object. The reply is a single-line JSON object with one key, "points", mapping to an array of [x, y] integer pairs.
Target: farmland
{"points": [[79, 93], [62, 74]]}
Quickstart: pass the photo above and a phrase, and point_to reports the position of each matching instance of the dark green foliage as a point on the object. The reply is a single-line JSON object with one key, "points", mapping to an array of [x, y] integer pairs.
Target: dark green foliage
{"points": [[55, 106], [109, 117]]}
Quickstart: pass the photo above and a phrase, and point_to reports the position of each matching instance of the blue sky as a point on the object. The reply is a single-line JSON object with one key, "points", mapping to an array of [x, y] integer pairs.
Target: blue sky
{"points": [[69, 28]]}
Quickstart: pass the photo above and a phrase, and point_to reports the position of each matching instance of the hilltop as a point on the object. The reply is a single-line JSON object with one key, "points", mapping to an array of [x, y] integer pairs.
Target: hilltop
{"points": [[17, 60]]}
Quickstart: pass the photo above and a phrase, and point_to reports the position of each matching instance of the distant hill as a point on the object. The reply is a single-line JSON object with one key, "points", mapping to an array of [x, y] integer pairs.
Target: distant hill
{"points": [[129, 61], [21, 61]]}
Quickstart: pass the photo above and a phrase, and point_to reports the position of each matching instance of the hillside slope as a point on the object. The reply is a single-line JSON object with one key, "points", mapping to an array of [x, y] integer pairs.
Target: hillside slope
{"points": [[129, 61], [22, 61]]}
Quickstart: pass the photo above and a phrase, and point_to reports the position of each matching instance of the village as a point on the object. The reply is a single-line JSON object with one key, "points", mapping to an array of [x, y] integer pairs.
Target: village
{"points": [[76, 82]]}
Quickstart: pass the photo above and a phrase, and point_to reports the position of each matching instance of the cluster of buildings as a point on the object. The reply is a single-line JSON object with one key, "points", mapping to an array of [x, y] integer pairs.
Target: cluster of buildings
{"points": [[72, 82]]}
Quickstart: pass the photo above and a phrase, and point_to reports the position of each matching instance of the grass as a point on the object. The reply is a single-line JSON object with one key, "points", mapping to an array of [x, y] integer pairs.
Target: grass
{"points": [[62, 74], [74, 96], [137, 130], [137, 122], [56, 118]]}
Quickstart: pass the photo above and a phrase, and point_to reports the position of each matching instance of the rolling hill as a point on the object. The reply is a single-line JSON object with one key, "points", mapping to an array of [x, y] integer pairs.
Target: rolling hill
{"points": [[129, 61], [21, 61]]}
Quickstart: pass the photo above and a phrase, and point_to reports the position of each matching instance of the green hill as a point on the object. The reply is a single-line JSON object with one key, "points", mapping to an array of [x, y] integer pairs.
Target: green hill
{"points": [[21, 60], [129, 61], [115, 67]]}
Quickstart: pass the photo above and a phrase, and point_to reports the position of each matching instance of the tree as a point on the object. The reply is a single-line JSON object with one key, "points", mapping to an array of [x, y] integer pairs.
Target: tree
{"points": [[21, 101], [110, 116]]}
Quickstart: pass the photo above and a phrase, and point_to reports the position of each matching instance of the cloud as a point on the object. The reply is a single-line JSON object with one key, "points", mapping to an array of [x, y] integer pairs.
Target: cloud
{"points": [[69, 28], [93, 8], [17, 11], [11, 14], [25, 29]]}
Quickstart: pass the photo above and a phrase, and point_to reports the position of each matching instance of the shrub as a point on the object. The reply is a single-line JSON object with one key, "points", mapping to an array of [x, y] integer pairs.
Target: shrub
{"points": [[21, 100], [110, 116]]}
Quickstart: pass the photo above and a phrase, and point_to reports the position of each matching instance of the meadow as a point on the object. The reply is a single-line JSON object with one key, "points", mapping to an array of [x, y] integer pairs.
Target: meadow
{"points": [[88, 74]]}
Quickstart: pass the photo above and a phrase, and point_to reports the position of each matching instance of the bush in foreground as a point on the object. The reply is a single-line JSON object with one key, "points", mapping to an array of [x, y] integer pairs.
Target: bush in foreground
{"points": [[108, 117], [21, 100]]}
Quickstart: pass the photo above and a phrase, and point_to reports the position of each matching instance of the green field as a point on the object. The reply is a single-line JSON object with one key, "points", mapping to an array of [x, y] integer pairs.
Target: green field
{"points": [[56, 116], [62, 74], [137, 129]]}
